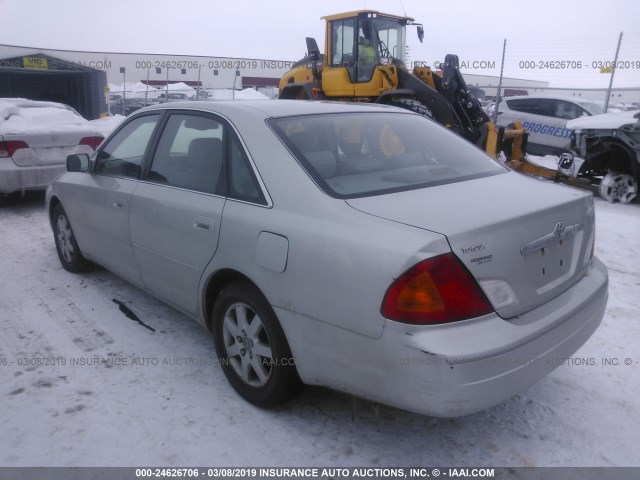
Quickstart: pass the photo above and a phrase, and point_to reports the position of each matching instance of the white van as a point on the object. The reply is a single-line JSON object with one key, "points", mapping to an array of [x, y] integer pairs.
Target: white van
{"points": [[545, 119]]}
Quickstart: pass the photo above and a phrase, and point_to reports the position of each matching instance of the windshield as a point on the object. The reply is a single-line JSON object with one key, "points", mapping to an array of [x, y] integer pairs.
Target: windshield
{"points": [[592, 107], [352, 155], [391, 41]]}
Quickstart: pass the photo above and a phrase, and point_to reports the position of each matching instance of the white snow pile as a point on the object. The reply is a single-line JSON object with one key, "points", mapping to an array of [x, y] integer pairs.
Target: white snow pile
{"points": [[180, 87], [19, 115], [548, 161]]}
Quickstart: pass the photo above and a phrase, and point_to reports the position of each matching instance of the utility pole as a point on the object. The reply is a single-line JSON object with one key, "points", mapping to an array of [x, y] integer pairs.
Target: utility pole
{"points": [[613, 71], [495, 110]]}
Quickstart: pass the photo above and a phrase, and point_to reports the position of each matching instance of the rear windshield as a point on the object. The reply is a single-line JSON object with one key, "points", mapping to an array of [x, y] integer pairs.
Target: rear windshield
{"points": [[353, 155]]}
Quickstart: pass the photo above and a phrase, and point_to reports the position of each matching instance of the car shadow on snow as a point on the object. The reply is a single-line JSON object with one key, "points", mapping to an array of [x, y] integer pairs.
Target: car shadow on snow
{"points": [[24, 200]]}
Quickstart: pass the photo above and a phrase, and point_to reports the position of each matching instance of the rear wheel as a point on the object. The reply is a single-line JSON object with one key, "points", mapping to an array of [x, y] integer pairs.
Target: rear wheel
{"points": [[616, 186], [413, 105], [66, 245], [253, 351]]}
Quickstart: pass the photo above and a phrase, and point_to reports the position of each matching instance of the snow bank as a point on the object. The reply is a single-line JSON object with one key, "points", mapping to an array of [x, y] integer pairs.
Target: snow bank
{"points": [[179, 87]]}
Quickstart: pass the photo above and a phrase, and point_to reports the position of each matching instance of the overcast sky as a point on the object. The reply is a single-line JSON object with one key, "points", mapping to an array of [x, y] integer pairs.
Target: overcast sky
{"points": [[536, 31]]}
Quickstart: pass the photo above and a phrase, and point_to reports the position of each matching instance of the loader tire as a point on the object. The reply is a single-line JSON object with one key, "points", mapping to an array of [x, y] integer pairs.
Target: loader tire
{"points": [[413, 105]]}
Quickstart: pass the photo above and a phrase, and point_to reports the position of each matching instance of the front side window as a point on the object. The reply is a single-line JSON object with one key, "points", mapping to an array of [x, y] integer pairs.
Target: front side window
{"points": [[353, 155], [591, 108], [122, 155], [190, 154], [568, 110]]}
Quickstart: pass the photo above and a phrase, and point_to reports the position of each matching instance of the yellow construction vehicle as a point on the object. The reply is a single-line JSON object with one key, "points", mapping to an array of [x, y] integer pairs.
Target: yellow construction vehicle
{"points": [[364, 61]]}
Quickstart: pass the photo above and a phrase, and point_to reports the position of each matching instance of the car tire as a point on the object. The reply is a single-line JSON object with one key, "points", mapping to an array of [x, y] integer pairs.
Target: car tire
{"points": [[252, 348], [617, 186], [413, 105], [66, 245]]}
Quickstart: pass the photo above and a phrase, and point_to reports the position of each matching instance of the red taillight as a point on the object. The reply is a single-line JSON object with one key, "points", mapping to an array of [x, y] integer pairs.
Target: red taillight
{"points": [[437, 290], [8, 148], [93, 142]]}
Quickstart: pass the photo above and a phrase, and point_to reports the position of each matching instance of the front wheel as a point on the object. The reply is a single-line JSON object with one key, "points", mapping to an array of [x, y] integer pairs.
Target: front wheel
{"points": [[251, 346], [66, 245], [616, 186]]}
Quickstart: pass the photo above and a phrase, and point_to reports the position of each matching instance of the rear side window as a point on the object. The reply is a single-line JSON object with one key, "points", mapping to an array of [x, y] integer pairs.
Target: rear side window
{"points": [[202, 153], [122, 155], [361, 154], [190, 154], [243, 184]]}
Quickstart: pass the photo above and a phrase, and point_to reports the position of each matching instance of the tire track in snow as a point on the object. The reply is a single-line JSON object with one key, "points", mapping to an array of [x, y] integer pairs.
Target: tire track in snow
{"points": [[21, 336], [80, 329]]}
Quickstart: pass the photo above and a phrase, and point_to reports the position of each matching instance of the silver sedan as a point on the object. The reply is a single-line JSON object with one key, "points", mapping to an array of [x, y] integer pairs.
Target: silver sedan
{"points": [[362, 248]]}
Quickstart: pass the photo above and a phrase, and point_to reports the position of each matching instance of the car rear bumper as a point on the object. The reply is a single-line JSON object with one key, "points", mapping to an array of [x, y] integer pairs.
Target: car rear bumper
{"points": [[15, 179], [452, 370]]}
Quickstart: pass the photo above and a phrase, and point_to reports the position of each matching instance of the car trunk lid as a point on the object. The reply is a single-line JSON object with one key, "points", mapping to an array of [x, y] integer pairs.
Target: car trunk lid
{"points": [[50, 148], [525, 241]]}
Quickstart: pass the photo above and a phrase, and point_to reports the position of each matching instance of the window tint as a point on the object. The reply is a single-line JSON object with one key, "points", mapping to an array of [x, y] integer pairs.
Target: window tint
{"points": [[123, 154], [536, 106], [360, 154], [243, 184], [190, 154]]}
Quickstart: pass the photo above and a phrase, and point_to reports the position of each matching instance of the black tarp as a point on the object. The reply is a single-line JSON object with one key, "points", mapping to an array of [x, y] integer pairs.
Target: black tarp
{"points": [[42, 77]]}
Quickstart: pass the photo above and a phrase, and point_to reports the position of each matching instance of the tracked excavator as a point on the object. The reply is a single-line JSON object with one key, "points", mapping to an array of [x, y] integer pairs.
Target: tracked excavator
{"points": [[364, 61]]}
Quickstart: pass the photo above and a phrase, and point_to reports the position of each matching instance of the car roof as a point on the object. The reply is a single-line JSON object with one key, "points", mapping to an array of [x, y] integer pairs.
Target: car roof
{"points": [[273, 108]]}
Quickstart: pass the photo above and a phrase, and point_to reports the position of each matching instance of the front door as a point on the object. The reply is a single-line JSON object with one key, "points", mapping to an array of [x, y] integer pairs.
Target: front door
{"points": [[101, 200]]}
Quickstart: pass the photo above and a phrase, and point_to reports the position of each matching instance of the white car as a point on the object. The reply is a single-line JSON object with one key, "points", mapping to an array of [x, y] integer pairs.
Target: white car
{"points": [[35, 140], [545, 119], [610, 145]]}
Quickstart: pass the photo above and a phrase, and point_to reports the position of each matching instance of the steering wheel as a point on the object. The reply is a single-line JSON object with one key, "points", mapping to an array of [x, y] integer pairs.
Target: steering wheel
{"points": [[383, 50]]}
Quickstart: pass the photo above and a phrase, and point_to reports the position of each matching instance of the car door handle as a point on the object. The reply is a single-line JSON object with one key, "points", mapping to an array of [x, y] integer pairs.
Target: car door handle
{"points": [[118, 204], [202, 225]]}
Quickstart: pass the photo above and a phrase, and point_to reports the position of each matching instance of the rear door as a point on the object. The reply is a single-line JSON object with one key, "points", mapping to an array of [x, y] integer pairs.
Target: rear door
{"points": [[177, 209]]}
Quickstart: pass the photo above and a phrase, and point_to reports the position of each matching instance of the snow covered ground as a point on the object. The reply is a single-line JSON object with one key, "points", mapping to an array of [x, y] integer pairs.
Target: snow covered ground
{"points": [[109, 392]]}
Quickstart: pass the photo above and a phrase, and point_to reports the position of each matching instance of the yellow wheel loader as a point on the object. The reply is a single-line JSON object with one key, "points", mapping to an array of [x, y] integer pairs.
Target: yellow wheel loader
{"points": [[364, 61]]}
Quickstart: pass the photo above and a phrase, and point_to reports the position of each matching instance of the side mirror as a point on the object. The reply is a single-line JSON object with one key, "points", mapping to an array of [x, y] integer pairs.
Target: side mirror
{"points": [[313, 52], [420, 33], [78, 163]]}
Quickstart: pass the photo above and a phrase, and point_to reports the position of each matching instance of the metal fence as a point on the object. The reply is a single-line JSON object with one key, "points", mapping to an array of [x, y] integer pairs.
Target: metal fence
{"points": [[604, 68], [619, 98], [125, 100]]}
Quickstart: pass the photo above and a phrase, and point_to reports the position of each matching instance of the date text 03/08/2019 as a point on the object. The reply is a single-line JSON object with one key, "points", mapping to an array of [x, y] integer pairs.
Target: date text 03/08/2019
{"points": [[578, 64], [315, 472]]}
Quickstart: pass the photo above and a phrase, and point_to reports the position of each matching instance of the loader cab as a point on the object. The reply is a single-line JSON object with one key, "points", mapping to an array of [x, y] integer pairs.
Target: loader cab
{"points": [[356, 43]]}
